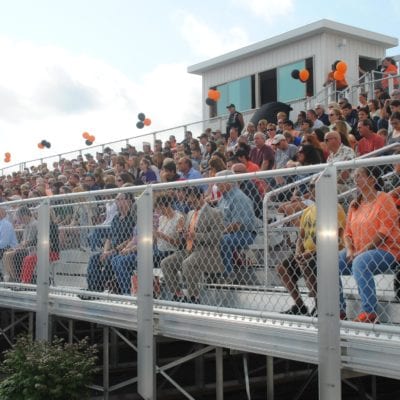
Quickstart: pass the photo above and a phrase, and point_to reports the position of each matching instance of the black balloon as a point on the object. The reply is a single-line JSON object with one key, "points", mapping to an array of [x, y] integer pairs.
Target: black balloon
{"points": [[295, 74], [210, 102], [141, 117], [88, 143], [139, 125], [43, 142], [48, 144]]}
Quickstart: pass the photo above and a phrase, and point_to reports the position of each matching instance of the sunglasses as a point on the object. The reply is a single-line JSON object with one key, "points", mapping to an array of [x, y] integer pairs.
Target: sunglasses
{"points": [[271, 129]]}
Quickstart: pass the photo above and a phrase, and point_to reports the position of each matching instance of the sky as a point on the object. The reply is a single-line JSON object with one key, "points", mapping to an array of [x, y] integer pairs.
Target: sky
{"points": [[74, 66]]}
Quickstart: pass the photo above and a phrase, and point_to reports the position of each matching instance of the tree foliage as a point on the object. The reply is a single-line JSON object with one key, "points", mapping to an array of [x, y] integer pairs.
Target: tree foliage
{"points": [[38, 370]]}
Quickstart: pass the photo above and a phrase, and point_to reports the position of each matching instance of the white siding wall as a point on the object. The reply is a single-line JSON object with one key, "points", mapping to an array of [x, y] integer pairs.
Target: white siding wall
{"points": [[325, 48]]}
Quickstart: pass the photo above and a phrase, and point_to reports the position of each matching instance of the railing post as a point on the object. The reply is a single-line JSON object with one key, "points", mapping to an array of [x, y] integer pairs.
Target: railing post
{"points": [[329, 372], [146, 351], [42, 291]]}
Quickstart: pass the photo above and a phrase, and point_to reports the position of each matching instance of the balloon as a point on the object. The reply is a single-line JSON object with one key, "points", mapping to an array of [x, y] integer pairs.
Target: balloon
{"points": [[48, 145], [7, 160], [40, 145], [7, 155], [91, 138], [43, 142], [141, 117], [139, 125], [341, 67], [210, 102], [304, 75], [295, 74], [338, 75], [214, 94], [88, 142], [147, 122], [85, 135]]}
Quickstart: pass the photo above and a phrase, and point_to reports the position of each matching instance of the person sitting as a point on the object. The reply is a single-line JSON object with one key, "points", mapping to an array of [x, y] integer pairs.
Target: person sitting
{"points": [[303, 261], [239, 221], [99, 272], [262, 154], [12, 258], [249, 188], [29, 262], [372, 240], [369, 141], [168, 230], [203, 229], [8, 238], [339, 152]]}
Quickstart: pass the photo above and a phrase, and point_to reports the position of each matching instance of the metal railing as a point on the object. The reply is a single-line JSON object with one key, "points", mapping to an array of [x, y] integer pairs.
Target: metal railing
{"points": [[196, 128], [246, 282]]}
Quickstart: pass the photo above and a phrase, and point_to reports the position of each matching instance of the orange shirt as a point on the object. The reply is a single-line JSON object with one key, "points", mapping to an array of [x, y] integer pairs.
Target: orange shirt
{"points": [[368, 219], [390, 70], [340, 84]]}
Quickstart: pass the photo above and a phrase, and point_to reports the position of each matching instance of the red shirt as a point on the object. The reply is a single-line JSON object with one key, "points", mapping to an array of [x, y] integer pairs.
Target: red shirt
{"points": [[367, 145]]}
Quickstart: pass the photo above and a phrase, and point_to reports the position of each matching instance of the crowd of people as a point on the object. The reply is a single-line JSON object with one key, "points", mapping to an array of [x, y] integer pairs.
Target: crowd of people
{"points": [[200, 229]]}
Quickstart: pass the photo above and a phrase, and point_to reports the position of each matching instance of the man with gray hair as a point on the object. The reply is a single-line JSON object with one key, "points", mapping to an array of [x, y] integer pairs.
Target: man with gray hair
{"points": [[8, 238], [239, 220], [322, 116]]}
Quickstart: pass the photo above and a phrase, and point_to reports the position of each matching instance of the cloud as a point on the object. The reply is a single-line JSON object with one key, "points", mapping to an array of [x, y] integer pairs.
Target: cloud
{"points": [[269, 10], [49, 93], [207, 42]]}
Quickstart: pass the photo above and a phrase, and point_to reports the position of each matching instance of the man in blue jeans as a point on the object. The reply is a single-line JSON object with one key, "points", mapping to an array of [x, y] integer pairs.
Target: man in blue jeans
{"points": [[99, 272], [239, 221]]}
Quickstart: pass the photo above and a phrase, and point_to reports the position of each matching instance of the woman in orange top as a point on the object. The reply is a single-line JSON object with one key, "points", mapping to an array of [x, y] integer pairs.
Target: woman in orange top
{"points": [[340, 84], [389, 68], [372, 239]]}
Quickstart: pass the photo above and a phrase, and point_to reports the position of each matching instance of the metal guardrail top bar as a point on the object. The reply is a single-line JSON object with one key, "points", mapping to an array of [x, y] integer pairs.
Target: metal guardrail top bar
{"points": [[102, 146]]}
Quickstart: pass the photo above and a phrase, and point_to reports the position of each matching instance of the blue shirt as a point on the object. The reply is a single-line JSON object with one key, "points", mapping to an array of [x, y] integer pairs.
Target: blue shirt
{"points": [[7, 234], [122, 229], [236, 207], [194, 174]]}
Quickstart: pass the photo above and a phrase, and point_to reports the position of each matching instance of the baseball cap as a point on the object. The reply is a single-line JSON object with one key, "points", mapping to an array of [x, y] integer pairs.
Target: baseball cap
{"points": [[277, 139], [230, 106]]}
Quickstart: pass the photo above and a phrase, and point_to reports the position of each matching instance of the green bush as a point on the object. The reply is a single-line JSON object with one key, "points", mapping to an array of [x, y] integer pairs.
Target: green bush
{"points": [[44, 371]]}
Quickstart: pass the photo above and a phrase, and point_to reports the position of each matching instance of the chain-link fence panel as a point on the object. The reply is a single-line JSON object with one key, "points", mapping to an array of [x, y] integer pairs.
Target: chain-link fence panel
{"points": [[19, 241], [97, 247], [368, 263]]}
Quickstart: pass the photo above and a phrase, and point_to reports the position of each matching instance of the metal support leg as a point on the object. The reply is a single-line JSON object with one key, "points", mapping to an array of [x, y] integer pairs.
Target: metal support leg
{"points": [[114, 349], [219, 367], [199, 368], [246, 374], [70, 331], [106, 362], [270, 378], [373, 387], [30, 324]]}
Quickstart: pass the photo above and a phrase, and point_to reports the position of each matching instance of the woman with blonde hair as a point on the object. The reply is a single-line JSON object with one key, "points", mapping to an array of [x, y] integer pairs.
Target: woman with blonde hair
{"points": [[342, 128]]}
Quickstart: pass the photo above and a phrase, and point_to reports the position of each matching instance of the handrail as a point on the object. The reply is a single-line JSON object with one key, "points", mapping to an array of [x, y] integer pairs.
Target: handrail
{"points": [[102, 146]]}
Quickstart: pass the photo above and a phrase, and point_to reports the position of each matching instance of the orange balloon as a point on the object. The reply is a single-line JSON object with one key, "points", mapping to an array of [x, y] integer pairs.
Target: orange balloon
{"points": [[212, 94], [338, 76], [7, 155], [147, 121], [85, 135], [7, 160], [304, 75], [40, 146], [217, 95], [91, 138], [341, 67]]}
